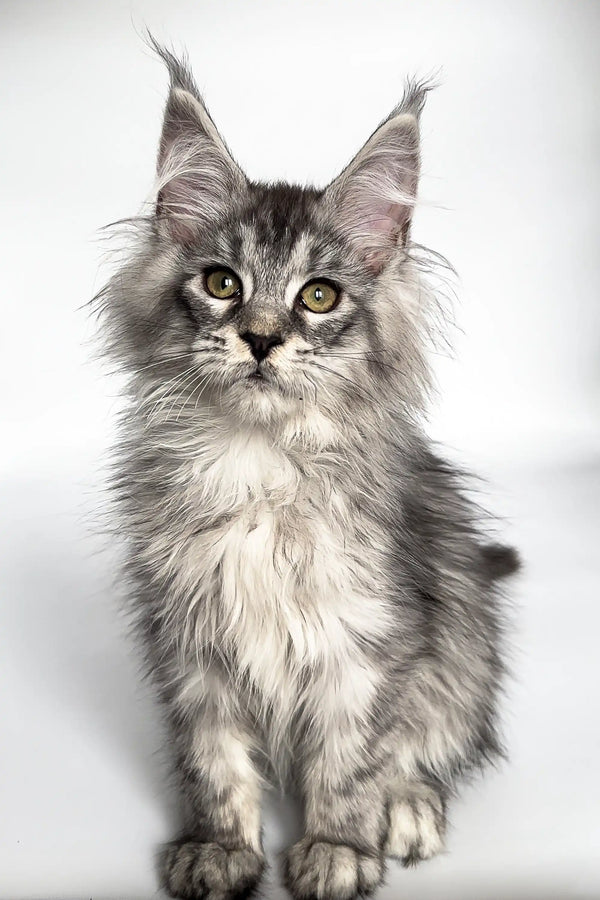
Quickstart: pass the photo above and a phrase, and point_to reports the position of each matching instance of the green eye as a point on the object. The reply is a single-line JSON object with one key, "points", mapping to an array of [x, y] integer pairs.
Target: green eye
{"points": [[319, 296], [223, 284]]}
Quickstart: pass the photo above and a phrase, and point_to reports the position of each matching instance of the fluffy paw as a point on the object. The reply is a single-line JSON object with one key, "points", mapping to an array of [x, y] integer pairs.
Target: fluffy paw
{"points": [[207, 871], [317, 870], [416, 828]]}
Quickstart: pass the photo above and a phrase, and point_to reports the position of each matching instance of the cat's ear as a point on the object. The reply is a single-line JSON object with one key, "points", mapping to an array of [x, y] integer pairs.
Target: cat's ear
{"points": [[196, 174], [373, 198]]}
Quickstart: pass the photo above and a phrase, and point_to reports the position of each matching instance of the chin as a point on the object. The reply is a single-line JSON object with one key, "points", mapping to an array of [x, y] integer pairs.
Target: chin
{"points": [[259, 401]]}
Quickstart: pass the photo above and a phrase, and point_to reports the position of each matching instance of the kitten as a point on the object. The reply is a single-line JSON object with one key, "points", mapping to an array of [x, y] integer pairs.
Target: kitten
{"points": [[316, 601]]}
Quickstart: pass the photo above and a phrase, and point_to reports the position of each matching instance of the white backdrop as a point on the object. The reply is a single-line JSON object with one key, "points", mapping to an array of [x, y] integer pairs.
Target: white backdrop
{"points": [[510, 194]]}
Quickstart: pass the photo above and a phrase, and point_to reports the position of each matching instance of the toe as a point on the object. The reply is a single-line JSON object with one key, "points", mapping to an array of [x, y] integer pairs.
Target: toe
{"points": [[207, 871], [325, 871], [416, 830]]}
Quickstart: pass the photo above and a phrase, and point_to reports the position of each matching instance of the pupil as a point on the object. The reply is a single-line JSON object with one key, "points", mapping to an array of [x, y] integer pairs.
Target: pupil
{"points": [[318, 294], [225, 282]]}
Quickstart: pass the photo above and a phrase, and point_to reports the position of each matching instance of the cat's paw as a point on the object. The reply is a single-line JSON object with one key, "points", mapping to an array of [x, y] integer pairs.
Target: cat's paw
{"points": [[207, 871], [318, 870], [416, 828]]}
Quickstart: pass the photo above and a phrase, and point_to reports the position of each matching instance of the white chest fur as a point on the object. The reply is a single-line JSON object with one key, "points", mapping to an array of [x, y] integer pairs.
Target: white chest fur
{"points": [[284, 571]]}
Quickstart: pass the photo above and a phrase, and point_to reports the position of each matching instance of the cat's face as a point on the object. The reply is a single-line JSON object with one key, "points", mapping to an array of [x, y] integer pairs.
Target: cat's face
{"points": [[271, 300], [278, 314]]}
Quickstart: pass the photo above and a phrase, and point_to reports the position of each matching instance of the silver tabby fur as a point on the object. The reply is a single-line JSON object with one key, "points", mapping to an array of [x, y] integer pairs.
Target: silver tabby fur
{"points": [[317, 604]]}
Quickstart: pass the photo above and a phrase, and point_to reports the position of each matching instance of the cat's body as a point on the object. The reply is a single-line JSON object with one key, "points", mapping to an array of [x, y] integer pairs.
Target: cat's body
{"points": [[315, 603]]}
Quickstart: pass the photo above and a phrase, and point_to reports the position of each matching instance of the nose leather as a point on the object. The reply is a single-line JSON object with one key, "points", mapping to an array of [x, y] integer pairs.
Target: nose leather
{"points": [[261, 344]]}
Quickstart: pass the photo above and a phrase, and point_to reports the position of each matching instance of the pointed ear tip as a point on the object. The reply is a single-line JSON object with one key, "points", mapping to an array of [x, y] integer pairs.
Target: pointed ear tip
{"points": [[181, 95], [184, 108]]}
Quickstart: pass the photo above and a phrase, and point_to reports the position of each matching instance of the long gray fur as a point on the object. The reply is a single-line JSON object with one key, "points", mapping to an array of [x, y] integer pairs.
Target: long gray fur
{"points": [[316, 600]]}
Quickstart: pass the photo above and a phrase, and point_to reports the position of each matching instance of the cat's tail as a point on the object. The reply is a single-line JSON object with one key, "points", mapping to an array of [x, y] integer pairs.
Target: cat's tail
{"points": [[499, 561]]}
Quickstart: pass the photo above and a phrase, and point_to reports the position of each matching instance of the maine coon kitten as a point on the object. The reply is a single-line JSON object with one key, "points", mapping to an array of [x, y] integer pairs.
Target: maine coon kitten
{"points": [[317, 604]]}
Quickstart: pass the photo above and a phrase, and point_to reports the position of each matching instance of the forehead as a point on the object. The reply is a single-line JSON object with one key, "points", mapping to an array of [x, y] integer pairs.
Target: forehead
{"points": [[281, 232]]}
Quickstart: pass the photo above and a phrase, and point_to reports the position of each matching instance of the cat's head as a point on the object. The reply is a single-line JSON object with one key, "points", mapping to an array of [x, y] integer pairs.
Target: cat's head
{"points": [[271, 301]]}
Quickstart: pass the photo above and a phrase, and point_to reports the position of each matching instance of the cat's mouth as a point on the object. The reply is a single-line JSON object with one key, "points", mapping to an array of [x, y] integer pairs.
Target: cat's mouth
{"points": [[263, 381], [259, 378]]}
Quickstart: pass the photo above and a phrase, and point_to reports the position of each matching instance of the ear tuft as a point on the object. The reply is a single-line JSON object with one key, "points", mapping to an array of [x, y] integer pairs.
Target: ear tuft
{"points": [[196, 174], [180, 73], [373, 198], [414, 97]]}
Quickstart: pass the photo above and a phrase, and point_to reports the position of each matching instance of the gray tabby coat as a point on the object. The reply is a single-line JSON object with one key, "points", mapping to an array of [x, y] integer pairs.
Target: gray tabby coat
{"points": [[316, 602]]}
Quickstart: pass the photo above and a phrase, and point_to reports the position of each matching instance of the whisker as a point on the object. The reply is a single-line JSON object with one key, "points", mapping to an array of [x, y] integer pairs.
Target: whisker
{"points": [[196, 385], [165, 392], [200, 386], [163, 361], [183, 385], [358, 388], [373, 355]]}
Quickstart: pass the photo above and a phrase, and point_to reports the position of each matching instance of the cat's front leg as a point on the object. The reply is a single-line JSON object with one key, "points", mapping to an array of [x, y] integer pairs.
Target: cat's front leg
{"points": [[220, 857], [340, 856]]}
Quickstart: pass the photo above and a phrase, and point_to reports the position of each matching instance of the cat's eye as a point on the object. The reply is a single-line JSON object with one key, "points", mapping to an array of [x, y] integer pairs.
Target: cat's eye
{"points": [[320, 296], [223, 284]]}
